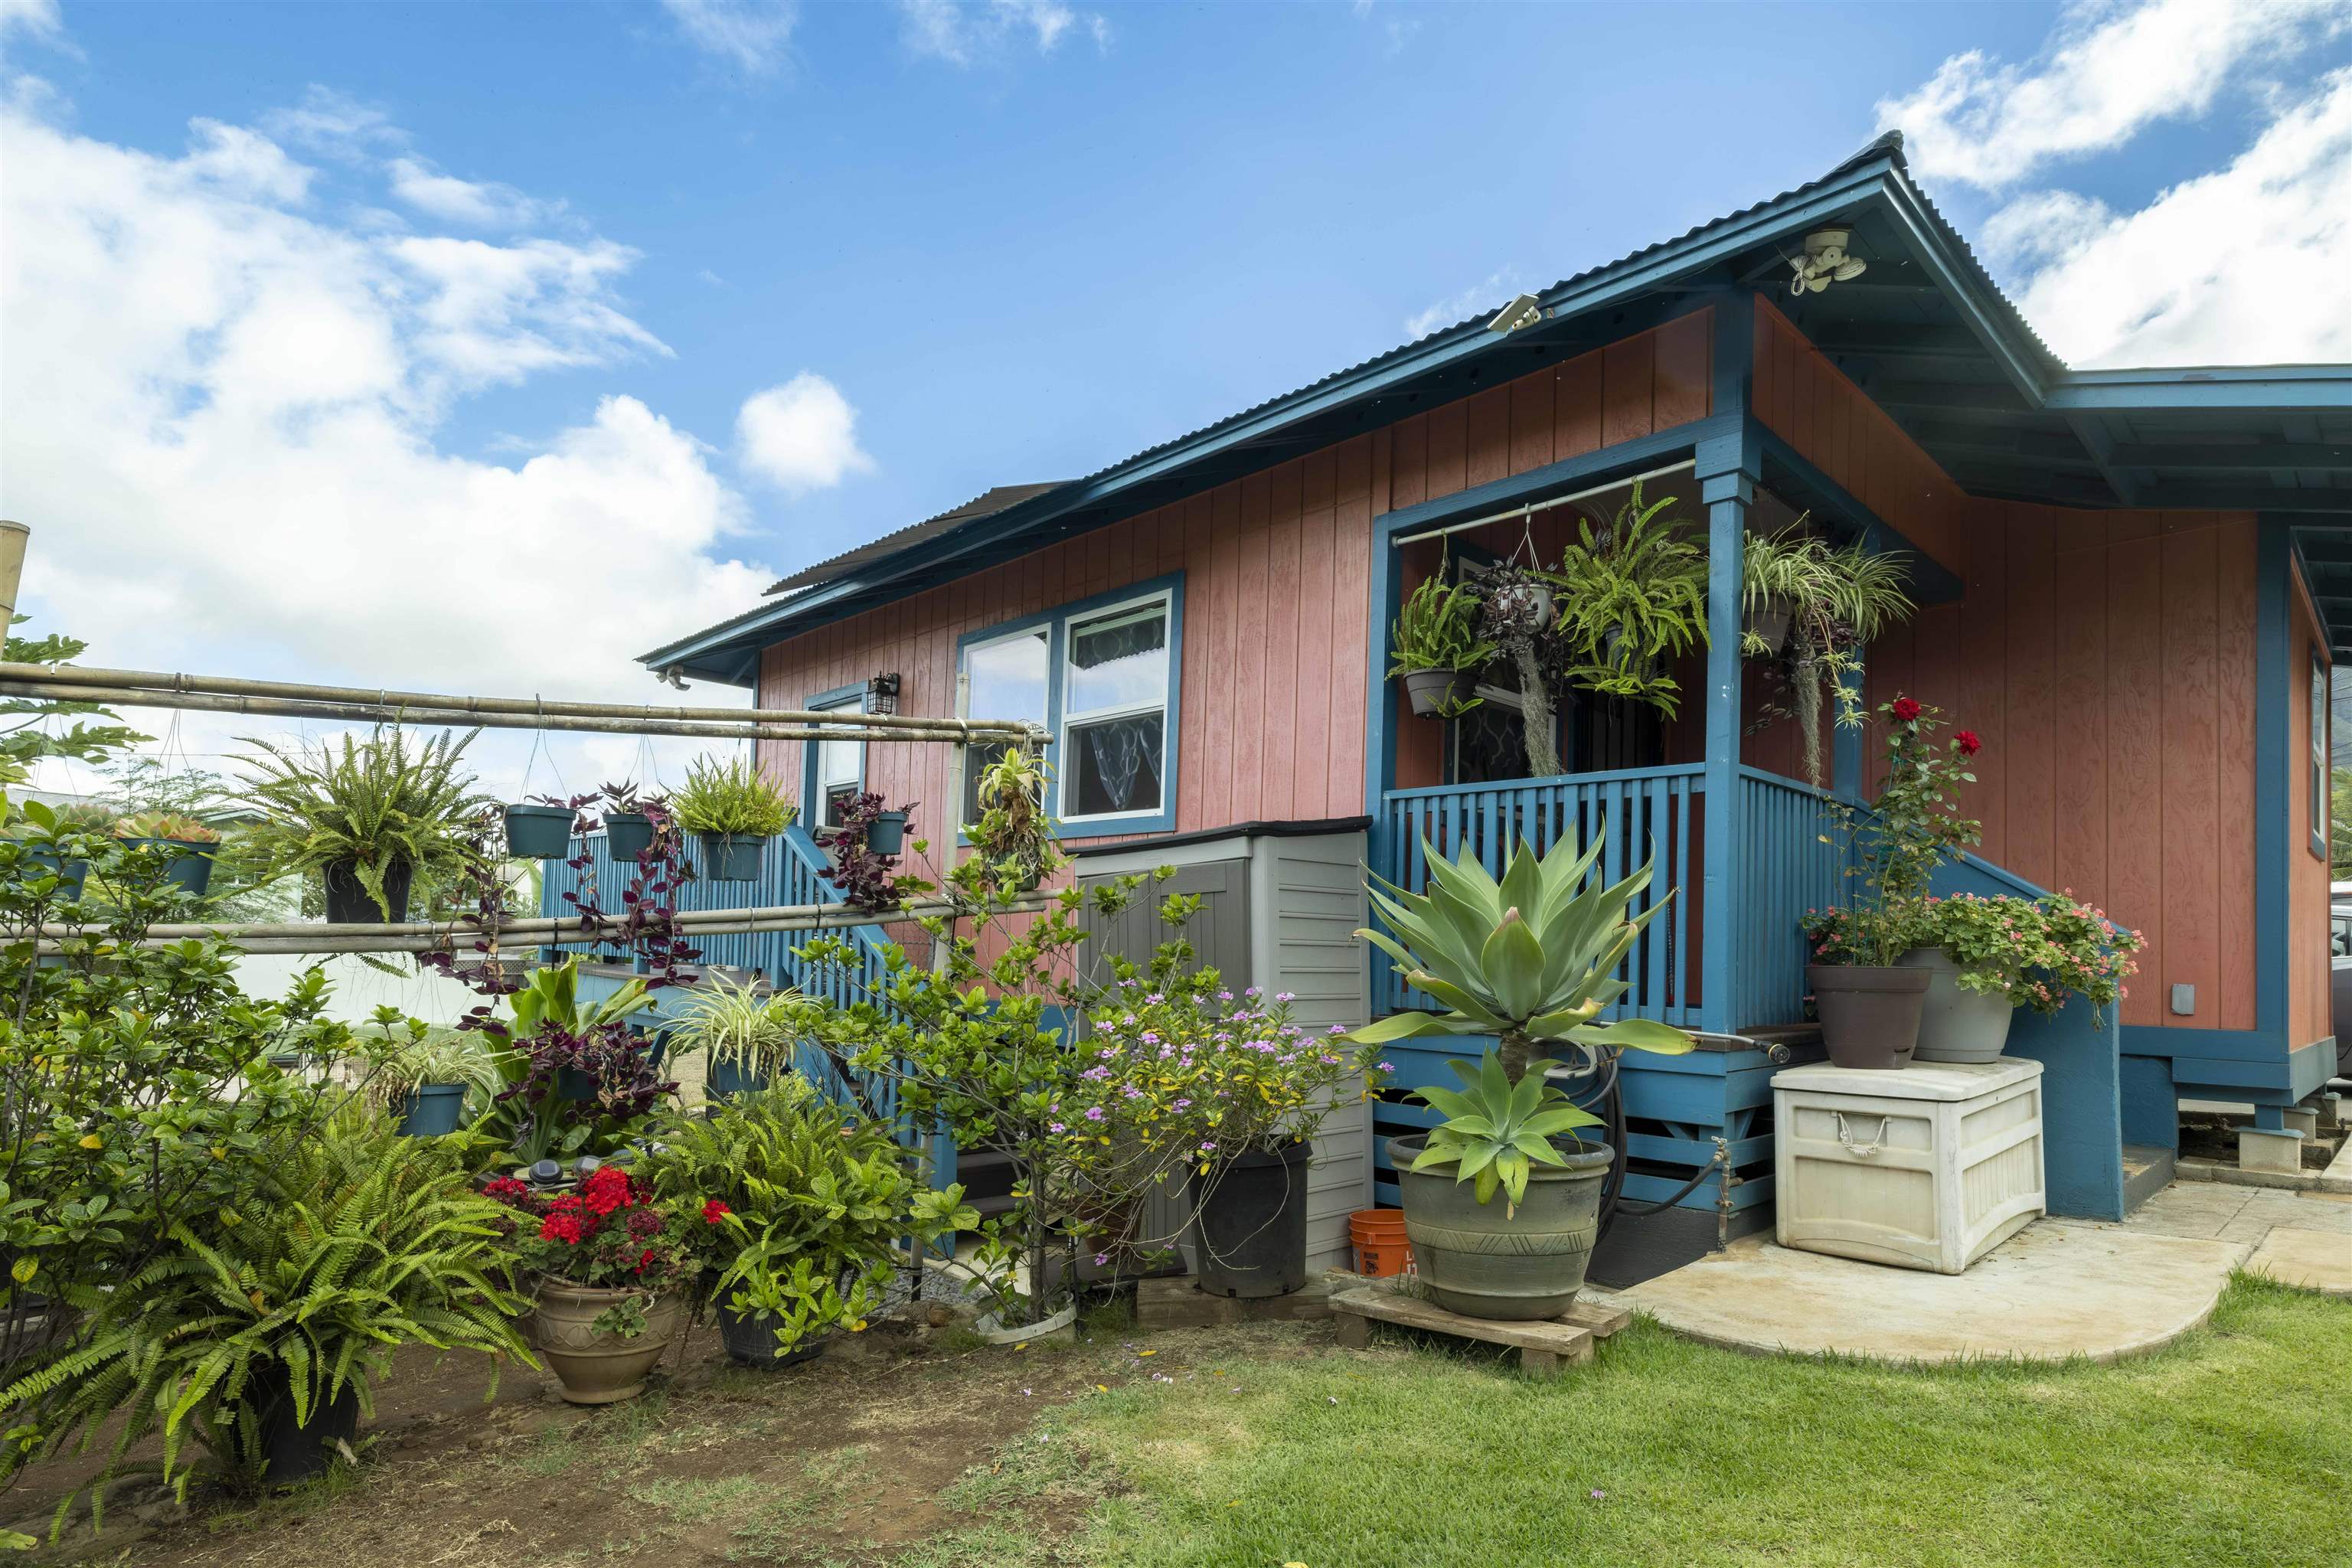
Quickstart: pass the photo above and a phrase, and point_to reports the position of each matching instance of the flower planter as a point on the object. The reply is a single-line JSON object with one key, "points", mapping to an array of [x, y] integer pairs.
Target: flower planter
{"points": [[1957, 1025], [1431, 691], [731, 857], [627, 835], [538, 832], [191, 870], [886, 833], [1249, 1220], [432, 1110], [751, 1339], [1061, 1325], [1869, 1012], [70, 874], [293, 1453], [594, 1367], [1488, 1260], [348, 902], [1769, 621], [725, 1078]]}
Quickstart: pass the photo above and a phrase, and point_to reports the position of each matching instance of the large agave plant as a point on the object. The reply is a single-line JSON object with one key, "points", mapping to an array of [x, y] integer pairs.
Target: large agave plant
{"points": [[1530, 960]]}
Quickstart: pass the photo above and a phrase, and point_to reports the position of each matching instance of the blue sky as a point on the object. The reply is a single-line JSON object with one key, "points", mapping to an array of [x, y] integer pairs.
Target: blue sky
{"points": [[954, 246]]}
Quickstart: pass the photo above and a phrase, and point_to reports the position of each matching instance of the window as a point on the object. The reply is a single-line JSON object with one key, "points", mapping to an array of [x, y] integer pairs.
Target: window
{"points": [[1102, 675], [1115, 713], [1004, 678], [840, 765], [2319, 756]]}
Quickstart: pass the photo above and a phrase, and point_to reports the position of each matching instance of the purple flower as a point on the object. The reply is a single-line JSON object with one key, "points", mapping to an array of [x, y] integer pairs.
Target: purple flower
{"points": [[1093, 1113], [1284, 996]]}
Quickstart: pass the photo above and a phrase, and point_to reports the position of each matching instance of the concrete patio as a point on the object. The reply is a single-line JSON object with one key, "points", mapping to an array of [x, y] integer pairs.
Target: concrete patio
{"points": [[2058, 1290]]}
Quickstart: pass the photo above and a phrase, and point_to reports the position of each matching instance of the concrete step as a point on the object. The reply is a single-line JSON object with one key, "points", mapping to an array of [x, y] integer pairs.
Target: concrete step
{"points": [[2148, 1170]]}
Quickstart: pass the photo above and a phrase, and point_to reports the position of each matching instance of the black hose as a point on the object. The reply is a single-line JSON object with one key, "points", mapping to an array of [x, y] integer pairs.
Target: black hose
{"points": [[1607, 1099]]}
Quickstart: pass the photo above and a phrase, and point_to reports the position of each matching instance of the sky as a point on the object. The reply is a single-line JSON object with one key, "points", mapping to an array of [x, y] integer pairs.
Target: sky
{"points": [[484, 347]]}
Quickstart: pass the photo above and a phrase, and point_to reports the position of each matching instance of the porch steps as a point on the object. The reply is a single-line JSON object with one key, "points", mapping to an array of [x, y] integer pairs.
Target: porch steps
{"points": [[2148, 1170]]}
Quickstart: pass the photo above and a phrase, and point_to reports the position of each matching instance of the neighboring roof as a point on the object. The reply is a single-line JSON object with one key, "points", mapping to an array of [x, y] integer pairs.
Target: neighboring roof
{"points": [[993, 500], [1927, 334]]}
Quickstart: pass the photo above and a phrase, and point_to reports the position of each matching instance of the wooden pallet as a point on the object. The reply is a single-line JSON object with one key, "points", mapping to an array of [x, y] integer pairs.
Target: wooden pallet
{"points": [[1175, 1301], [1545, 1345]]}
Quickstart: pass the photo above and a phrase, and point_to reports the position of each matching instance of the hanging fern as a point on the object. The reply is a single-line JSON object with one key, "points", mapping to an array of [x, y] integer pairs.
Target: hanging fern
{"points": [[1632, 596], [373, 805]]}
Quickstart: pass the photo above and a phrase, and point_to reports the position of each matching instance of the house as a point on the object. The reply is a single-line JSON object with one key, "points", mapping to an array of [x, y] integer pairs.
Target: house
{"points": [[2132, 584]]}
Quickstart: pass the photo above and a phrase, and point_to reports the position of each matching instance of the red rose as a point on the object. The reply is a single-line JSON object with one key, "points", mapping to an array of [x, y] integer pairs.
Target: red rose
{"points": [[714, 1211], [564, 1228], [1968, 742], [1906, 710]]}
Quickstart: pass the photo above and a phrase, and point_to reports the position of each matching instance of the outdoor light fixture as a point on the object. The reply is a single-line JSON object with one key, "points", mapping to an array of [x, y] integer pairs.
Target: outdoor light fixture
{"points": [[882, 694], [1523, 311], [1824, 262]]}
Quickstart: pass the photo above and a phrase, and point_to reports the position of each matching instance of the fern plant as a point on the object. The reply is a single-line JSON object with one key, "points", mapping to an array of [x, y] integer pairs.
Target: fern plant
{"points": [[370, 804], [1840, 598], [1437, 628], [1632, 597], [347, 1246]]}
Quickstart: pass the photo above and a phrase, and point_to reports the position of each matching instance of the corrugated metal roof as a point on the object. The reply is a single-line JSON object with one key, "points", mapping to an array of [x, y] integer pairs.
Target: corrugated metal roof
{"points": [[987, 504]]}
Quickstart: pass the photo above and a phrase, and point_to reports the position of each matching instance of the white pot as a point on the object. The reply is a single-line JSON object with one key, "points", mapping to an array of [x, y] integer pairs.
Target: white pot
{"points": [[1957, 1025], [1061, 1324]]}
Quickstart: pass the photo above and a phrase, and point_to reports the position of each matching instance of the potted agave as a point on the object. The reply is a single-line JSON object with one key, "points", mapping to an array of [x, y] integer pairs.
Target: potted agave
{"points": [[1436, 648], [732, 809], [614, 1272], [1502, 1198], [191, 867]]}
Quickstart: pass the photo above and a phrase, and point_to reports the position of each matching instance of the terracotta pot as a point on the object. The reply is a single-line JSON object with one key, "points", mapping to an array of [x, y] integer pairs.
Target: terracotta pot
{"points": [[593, 1367], [1870, 1012]]}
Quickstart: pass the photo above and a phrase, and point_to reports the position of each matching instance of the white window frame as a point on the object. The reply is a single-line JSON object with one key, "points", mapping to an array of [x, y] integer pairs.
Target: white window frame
{"points": [[1066, 720], [1042, 632], [825, 786]]}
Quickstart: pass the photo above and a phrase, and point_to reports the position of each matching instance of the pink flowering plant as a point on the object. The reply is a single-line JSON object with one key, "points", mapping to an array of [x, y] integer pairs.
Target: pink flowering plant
{"points": [[2036, 952], [1911, 828]]}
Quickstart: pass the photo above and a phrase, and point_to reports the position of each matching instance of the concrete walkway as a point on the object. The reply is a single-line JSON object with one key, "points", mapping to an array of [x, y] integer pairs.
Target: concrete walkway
{"points": [[2057, 1289]]}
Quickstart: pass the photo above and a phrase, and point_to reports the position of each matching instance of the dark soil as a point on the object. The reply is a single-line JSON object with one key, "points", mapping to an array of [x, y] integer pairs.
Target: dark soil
{"points": [[897, 1445]]}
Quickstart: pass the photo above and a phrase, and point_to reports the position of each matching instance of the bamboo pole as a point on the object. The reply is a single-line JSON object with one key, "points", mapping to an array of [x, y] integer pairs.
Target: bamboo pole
{"points": [[476, 708], [374, 713]]}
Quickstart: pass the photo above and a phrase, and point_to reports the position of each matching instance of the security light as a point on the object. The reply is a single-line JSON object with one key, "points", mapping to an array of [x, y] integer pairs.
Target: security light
{"points": [[1523, 311], [1825, 261]]}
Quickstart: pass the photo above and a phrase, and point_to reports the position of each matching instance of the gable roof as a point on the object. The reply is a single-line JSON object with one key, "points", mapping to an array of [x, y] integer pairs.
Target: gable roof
{"points": [[1926, 333]]}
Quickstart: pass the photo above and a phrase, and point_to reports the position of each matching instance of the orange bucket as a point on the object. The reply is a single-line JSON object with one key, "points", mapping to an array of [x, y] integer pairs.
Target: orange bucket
{"points": [[1380, 1241]]}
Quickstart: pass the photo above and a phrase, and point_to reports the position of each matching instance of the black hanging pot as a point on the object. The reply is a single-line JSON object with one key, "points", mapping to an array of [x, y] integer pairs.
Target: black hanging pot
{"points": [[627, 834], [348, 902], [886, 833], [731, 857], [538, 832], [291, 1452], [751, 1339], [1769, 620], [1249, 1219]]}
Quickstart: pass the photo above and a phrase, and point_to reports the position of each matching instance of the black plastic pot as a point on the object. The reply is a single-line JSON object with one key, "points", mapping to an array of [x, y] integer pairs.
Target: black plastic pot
{"points": [[538, 832], [886, 833], [191, 870], [1870, 1012], [1769, 621], [726, 1079], [731, 857], [751, 1339], [1249, 1219], [432, 1110], [297, 1453], [348, 902], [627, 835]]}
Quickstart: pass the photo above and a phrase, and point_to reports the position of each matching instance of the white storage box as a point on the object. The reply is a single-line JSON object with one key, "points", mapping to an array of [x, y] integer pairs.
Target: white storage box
{"points": [[1929, 1167]]}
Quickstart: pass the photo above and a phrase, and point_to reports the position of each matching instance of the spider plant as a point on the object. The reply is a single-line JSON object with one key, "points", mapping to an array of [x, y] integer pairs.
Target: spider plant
{"points": [[405, 1054], [741, 1022], [1840, 598], [1632, 595], [365, 809]]}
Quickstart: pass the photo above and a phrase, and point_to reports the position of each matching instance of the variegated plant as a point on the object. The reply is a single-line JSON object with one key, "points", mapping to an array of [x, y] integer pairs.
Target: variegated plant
{"points": [[1529, 960]]}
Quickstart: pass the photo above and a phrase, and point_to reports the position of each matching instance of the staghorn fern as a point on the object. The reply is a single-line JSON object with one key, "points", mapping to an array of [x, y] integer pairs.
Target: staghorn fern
{"points": [[353, 1244]]}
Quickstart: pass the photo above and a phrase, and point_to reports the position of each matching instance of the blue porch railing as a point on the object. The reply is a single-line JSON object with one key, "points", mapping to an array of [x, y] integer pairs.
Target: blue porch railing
{"points": [[1788, 857]]}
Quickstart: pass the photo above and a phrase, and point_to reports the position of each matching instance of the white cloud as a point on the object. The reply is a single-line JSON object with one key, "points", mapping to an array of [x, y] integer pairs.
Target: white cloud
{"points": [[801, 435], [2111, 70], [483, 205], [2251, 264], [36, 18], [1498, 287], [222, 417], [960, 32], [754, 34]]}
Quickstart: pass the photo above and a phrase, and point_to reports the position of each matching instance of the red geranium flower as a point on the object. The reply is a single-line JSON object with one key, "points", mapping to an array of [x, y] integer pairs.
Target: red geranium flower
{"points": [[1968, 742], [1904, 709], [714, 1211], [506, 1189], [564, 1228]]}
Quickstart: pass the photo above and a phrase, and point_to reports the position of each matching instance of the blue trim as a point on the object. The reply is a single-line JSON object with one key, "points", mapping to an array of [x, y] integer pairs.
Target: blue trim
{"points": [[1726, 474], [1055, 621], [2275, 771], [2317, 754], [811, 797], [2230, 1045], [2301, 387]]}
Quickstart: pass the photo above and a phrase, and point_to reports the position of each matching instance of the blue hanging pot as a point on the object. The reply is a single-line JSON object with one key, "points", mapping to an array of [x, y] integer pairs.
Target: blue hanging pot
{"points": [[886, 833], [538, 832]]}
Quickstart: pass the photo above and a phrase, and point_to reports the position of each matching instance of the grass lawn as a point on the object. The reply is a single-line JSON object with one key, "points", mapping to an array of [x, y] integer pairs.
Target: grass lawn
{"points": [[2232, 1447], [1267, 1445]]}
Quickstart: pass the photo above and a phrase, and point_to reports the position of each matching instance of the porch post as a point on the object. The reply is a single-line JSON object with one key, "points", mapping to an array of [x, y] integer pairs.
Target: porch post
{"points": [[1846, 781], [1727, 476]]}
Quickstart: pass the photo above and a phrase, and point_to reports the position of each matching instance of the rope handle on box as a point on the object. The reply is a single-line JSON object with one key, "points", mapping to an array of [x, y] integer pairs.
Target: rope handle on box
{"points": [[1860, 1151]]}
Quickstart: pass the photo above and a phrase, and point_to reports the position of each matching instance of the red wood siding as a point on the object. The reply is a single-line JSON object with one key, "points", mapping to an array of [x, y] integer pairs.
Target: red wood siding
{"points": [[2106, 660]]}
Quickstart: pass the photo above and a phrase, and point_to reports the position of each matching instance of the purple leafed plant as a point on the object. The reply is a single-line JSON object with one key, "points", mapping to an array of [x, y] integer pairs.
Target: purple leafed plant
{"points": [[866, 880]]}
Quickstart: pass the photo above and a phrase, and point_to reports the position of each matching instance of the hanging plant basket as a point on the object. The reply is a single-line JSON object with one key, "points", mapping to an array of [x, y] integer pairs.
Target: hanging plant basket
{"points": [[731, 857], [538, 832], [627, 834], [886, 833], [1769, 621], [432, 1110], [191, 869], [70, 874], [1434, 692], [348, 902]]}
